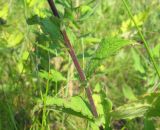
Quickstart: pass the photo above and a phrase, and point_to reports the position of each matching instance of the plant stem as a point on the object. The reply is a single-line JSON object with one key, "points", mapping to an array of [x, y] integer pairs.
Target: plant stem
{"points": [[76, 62], [143, 39]]}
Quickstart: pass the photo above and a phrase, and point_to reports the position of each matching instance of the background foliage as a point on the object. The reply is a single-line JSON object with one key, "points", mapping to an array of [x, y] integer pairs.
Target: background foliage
{"points": [[39, 86]]}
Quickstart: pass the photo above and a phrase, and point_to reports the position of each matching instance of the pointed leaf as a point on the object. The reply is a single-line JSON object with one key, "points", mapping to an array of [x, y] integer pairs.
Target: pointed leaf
{"points": [[128, 93], [74, 106], [107, 47], [146, 105], [53, 75]]}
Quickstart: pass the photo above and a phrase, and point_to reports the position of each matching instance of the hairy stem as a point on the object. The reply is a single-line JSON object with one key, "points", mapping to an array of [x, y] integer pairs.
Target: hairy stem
{"points": [[76, 62], [143, 39]]}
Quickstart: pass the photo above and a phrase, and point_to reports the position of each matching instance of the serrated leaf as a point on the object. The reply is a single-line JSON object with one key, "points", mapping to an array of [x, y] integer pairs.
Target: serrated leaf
{"points": [[74, 106], [107, 47], [50, 26]]}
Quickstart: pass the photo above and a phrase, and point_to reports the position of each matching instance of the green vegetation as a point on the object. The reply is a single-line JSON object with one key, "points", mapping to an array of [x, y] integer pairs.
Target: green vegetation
{"points": [[115, 42]]}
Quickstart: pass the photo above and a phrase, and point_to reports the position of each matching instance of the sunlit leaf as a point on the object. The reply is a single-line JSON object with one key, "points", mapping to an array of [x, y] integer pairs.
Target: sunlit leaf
{"points": [[139, 19], [74, 106], [137, 62], [107, 47], [4, 11], [53, 75], [14, 39], [128, 92]]}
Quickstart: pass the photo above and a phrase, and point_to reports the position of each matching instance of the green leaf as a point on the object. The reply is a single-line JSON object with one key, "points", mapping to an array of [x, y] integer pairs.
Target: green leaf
{"points": [[154, 111], [14, 39], [128, 93], [139, 18], [156, 51], [137, 62], [149, 124], [71, 35], [103, 105], [53, 75], [50, 26], [91, 40], [146, 105], [74, 106], [107, 47], [130, 111], [25, 55], [4, 9]]}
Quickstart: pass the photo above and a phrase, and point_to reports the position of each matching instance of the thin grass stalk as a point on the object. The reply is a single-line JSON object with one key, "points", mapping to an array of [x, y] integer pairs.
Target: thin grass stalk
{"points": [[143, 39]]}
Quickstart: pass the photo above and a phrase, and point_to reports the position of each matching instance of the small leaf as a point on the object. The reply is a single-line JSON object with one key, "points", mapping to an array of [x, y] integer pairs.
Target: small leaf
{"points": [[139, 18], [156, 51], [128, 93], [25, 55], [89, 40], [53, 75], [14, 38], [4, 9], [137, 62]]}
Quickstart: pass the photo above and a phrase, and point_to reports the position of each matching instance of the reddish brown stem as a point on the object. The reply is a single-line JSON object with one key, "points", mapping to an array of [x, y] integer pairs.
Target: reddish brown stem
{"points": [[76, 63]]}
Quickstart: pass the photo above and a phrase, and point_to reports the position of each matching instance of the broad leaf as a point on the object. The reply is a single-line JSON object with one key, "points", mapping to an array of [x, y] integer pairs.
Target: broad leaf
{"points": [[147, 105], [74, 106], [50, 26], [107, 47]]}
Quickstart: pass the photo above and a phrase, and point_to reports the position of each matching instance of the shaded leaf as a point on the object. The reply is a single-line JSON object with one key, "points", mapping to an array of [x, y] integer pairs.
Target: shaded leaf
{"points": [[149, 124], [146, 105], [49, 26]]}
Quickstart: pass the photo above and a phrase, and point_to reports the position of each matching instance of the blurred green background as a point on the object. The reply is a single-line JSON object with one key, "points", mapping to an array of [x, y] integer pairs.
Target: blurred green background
{"points": [[27, 53]]}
